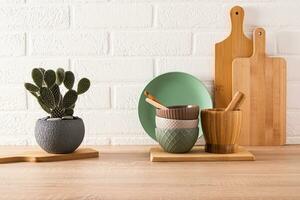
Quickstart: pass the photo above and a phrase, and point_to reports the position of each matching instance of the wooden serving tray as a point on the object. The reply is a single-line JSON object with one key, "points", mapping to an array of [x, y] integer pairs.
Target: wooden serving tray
{"points": [[42, 156], [197, 154]]}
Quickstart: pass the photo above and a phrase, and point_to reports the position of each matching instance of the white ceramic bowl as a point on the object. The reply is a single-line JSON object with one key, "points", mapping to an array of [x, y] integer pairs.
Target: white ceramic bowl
{"points": [[164, 123]]}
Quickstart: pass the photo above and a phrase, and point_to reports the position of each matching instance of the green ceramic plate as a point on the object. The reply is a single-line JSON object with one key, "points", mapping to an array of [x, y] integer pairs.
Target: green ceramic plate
{"points": [[174, 88]]}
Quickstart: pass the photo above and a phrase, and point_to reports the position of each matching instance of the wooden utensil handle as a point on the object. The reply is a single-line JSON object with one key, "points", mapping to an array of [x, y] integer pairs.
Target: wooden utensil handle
{"points": [[237, 18], [236, 102], [259, 42], [155, 104], [150, 96]]}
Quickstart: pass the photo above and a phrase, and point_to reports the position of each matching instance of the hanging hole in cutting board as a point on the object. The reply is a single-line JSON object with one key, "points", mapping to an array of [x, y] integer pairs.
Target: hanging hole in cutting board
{"points": [[236, 13]]}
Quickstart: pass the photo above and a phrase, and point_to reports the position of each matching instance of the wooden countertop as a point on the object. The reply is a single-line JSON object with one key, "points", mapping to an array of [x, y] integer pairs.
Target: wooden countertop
{"points": [[125, 172]]}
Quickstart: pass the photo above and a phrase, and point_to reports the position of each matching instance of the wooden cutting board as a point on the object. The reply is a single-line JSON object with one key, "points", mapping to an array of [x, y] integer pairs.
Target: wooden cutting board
{"points": [[197, 154], [263, 81], [235, 45], [42, 156]]}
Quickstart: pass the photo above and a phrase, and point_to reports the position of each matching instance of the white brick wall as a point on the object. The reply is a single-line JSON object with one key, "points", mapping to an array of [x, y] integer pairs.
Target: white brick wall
{"points": [[121, 45], [34, 17], [113, 16], [68, 44], [151, 43]]}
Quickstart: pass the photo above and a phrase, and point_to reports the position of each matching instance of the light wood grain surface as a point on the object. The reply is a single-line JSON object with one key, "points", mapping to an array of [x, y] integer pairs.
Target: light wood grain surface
{"points": [[198, 154], [221, 130], [234, 46], [263, 81], [42, 156], [126, 173]]}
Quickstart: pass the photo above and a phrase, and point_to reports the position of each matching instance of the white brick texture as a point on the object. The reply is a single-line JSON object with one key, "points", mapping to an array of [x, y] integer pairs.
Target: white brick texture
{"points": [[188, 15], [114, 70], [18, 70], [151, 43], [12, 98], [200, 67], [12, 44], [121, 45], [293, 63], [212, 14], [36, 17], [98, 97], [127, 96], [68, 44], [288, 42], [119, 16], [11, 1], [111, 122]]}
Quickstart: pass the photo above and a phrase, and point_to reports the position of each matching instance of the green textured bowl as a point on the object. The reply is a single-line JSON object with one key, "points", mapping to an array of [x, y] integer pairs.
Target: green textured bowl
{"points": [[173, 88], [177, 140]]}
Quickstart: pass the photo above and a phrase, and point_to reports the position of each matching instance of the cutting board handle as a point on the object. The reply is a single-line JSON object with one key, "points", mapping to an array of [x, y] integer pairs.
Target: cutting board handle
{"points": [[259, 42], [237, 18]]}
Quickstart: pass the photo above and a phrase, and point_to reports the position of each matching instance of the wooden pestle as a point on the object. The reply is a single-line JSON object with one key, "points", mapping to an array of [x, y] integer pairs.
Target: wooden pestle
{"points": [[236, 102]]}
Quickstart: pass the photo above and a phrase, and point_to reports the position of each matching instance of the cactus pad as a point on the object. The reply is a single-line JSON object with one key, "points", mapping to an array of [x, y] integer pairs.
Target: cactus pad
{"points": [[42, 104], [56, 93], [47, 97], [31, 88], [70, 98], [69, 80], [37, 77], [34, 94], [60, 76], [42, 70], [57, 113], [49, 78], [83, 86], [69, 112]]}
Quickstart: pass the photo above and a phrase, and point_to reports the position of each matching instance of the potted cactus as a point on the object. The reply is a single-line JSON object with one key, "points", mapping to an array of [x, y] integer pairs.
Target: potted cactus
{"points": [[60, 132]]}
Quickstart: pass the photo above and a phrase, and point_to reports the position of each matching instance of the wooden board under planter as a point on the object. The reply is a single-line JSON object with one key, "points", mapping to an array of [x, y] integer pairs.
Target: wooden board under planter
{"points": [[42, 156], [197, 154]]}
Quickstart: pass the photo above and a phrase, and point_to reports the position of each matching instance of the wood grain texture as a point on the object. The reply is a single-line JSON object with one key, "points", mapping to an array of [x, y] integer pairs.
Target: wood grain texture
{"points": [[125, 173], [236, 101], [41, 156], [234, 46], [221, 130], [197, 154], [263, 81], [155, 104]]}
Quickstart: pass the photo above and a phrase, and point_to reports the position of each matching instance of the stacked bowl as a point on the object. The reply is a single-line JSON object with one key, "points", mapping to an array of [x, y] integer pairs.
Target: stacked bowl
{"points": [[177, 128]]}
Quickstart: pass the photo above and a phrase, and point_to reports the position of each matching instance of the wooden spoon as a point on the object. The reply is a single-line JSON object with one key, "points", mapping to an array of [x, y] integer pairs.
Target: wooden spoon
{"points": [[153, 101], [156, 104], [236, 102], [150, 96]]}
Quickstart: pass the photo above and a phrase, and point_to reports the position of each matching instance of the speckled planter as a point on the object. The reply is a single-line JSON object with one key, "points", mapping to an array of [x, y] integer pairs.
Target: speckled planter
{"points": [[59, 136]]}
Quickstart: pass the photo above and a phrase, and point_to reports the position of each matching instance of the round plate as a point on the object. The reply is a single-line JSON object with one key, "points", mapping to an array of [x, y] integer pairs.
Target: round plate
{"points": [[174, 88]]}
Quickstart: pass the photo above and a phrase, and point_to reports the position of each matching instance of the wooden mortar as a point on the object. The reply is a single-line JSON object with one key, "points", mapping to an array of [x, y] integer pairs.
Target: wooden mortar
{"points": [[221, 130], [222, 127]]}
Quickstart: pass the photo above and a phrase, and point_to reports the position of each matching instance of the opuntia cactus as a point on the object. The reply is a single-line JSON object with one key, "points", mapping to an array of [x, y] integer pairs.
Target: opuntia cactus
{"points": [[38, 77], [60, 76], [69, 80], [49, 78], [47, 91], [83, 86], [70, 98]]}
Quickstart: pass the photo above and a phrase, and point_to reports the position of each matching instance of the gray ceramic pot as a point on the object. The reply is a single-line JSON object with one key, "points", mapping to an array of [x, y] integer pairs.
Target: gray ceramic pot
{"points": [[59, 136]]}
